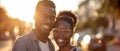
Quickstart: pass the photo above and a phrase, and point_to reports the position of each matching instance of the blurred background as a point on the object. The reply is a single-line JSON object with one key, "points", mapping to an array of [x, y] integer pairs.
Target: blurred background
{"points": [[98, 28]]}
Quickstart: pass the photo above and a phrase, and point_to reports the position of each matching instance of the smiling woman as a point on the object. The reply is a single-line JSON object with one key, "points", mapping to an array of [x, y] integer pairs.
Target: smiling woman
{"points": [[21, 9]]}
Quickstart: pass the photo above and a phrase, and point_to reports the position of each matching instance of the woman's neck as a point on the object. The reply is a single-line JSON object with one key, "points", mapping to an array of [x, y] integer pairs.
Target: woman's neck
{"points": [[66, 48]]}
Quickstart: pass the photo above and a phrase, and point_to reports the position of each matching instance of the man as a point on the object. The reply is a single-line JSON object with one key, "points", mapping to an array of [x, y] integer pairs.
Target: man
{"points": [[37, 39]]}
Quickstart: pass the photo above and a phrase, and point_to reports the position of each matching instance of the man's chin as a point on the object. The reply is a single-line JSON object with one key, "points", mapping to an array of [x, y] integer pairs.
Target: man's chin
{"points": [[45, 33]]}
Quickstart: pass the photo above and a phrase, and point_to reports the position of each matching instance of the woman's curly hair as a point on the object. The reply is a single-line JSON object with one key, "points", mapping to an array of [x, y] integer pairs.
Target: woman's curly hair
{"points": [[69, 17]]}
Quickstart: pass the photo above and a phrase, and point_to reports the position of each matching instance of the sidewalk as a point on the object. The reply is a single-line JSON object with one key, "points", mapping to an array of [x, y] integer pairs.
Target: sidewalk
{"points": [[6, 45]]}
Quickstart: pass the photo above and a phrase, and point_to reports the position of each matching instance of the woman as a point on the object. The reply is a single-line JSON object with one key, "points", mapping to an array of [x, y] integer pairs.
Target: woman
{"points": [[63, 30]]}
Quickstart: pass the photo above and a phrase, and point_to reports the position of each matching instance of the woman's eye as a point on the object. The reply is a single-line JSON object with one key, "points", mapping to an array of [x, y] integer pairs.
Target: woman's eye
{"points": [[56, 31], [65, 31]]}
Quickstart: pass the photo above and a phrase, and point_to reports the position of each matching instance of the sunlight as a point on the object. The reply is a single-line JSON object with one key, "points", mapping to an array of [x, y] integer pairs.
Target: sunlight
{"points": [[24, 9], [21, 9], [66, 5]]}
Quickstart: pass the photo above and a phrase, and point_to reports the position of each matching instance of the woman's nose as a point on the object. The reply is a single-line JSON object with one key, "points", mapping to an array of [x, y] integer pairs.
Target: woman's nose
{"points": [[61, 35]]}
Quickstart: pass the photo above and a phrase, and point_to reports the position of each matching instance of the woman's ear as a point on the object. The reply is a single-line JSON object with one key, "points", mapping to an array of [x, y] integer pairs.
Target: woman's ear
{"points": [[72, 32]]}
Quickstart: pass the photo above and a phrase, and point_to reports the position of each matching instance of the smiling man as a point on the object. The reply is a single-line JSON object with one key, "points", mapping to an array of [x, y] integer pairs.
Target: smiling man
{"points": [[37, 39]]}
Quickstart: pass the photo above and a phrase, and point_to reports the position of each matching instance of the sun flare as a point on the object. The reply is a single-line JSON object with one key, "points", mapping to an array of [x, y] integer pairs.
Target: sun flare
{"points": [[24, 9], [21, 9], [66, 5]]}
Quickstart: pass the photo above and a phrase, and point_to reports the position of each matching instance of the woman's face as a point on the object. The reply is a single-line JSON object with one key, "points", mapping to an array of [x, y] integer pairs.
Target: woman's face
{"points": [[62, 33]]}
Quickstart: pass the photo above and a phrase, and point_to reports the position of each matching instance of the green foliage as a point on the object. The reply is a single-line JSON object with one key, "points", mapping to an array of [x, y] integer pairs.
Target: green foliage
{"points": [[110, 6], [93, 24]]}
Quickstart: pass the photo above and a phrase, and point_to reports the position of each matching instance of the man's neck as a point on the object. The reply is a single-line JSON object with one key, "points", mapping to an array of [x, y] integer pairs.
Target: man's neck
{"points": [[40, 36]]}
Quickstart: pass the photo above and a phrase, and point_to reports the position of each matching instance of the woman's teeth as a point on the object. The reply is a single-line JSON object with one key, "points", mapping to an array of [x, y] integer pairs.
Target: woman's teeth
{"points": [[60, 40]]}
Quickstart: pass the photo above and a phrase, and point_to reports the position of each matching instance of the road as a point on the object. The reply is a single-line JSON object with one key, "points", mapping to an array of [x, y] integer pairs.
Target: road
{"points": [[6, 45]]}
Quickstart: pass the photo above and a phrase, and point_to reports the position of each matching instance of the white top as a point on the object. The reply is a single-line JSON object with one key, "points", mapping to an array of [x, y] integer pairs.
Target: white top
{"points": [[44, 46]]}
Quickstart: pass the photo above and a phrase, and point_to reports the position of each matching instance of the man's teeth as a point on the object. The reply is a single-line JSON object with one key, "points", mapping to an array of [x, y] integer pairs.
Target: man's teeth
{"points": [[60, 40], [45, 26]]}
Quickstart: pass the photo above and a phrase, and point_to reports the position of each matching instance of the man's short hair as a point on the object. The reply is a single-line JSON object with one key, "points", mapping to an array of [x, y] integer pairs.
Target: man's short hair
{"points": [[45, 4], [43, 7]]}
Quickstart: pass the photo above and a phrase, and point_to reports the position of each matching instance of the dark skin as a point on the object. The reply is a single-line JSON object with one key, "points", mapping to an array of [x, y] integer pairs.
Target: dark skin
{"points": [[61, 35], [43, 23], [40, 36]]}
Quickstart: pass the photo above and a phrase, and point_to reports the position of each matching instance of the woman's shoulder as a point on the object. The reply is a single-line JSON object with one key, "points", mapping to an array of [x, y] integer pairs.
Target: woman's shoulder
{"points": [[76, 48]]}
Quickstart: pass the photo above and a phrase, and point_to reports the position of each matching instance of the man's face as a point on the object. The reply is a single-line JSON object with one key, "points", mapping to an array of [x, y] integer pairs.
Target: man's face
{"points": [[45, 20]]}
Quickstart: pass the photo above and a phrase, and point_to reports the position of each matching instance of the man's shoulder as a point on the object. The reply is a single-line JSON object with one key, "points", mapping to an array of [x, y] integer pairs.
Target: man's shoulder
{"points": [[24, 38], [22, 43]]}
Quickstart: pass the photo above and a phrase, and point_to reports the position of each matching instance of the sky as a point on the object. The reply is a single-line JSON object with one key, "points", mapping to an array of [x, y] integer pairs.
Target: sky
{"points": [[24, 9]]}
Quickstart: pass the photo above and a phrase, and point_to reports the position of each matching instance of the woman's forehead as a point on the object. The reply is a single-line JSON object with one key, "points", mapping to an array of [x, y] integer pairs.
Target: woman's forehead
{"points": [[63, 24]]}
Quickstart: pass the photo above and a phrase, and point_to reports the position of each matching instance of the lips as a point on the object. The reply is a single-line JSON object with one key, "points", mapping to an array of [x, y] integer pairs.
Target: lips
{"points": [[45, 28], [60, 40]]}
